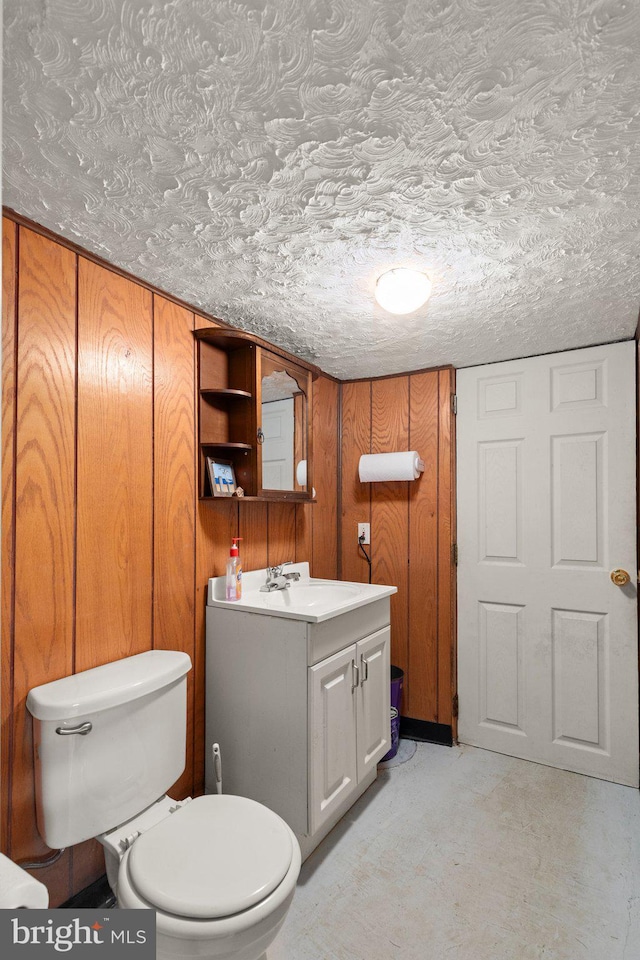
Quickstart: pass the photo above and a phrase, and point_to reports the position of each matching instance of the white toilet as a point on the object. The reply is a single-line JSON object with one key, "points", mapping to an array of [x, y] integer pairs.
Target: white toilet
{"points": [[220, 871]]}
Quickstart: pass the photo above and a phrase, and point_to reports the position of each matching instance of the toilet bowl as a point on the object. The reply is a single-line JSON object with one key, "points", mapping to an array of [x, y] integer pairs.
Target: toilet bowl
{"points": [[219, 871]]}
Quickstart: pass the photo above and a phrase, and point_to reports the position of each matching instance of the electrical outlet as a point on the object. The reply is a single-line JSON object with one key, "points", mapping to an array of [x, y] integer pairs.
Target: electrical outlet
{"points": [[364, 528]]}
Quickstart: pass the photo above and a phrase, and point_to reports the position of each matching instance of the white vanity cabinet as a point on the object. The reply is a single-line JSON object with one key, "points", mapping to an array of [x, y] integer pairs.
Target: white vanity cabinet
{"points": [[349, 723], [300, 707]]}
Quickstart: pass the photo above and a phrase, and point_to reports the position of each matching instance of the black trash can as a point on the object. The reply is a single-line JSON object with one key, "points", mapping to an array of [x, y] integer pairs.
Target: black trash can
{"points": [[397, 677]]}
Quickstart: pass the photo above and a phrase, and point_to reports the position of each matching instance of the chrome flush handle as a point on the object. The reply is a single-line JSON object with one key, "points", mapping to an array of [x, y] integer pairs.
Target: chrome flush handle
{"points": [[82, 730]]}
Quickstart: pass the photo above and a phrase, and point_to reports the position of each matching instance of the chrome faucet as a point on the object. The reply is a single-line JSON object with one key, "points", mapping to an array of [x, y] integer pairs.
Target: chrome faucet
{"points": [[277, 580]]}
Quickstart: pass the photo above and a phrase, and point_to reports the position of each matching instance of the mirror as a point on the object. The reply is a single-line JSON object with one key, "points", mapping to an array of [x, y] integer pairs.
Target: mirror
{"points": [[284, 428]]}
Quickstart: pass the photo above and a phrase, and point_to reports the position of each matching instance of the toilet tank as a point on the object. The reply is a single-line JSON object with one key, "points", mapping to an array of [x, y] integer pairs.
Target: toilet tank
{"points": [[134, 714]]}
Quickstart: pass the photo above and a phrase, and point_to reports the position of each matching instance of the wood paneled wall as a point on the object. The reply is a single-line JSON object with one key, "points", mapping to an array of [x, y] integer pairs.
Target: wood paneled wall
{"points": [[106, 551], [412, 526]]}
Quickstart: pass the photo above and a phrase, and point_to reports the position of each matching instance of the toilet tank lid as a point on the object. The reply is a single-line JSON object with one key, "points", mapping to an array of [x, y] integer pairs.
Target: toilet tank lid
{"points": [[108, 685]]}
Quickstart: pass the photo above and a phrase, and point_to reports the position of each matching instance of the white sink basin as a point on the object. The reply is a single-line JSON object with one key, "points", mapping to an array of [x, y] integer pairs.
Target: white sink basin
{"points": [[307, 599], [312, 593]]}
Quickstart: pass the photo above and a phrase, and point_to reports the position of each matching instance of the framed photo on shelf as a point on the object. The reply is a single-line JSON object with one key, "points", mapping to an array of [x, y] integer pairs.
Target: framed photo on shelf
{"points": [[222, 478]]}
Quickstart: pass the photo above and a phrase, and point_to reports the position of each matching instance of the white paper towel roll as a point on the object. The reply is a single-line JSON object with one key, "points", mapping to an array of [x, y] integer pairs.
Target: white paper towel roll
{"points": [[403, 465], [19, 889]]}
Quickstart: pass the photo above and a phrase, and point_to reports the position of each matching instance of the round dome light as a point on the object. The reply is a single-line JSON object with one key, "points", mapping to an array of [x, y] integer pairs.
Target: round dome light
{"points": [[402, 290]]}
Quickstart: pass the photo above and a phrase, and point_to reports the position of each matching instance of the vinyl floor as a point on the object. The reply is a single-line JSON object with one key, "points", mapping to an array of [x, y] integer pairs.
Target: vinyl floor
{"points": [[462, 854]]}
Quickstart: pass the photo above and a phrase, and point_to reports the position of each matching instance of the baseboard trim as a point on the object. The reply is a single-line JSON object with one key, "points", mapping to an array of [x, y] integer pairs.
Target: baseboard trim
{"points": [[98, 894], [426, 730]]}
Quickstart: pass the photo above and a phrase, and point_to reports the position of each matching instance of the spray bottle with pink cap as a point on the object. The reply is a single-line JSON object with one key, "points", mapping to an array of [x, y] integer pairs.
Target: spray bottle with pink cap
{"points": [[234, 573]]}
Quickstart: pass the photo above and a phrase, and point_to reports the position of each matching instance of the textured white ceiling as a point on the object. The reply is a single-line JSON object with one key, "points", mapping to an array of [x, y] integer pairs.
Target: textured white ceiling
{"points": [[266, 160]]}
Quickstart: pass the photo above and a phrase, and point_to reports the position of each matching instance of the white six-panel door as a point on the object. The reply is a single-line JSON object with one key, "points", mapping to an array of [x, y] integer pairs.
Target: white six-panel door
{"points": [[547, 643], [277, 446]]}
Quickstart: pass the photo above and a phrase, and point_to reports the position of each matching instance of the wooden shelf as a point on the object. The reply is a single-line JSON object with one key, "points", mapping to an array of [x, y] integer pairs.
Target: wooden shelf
{"points": [[226, 338], [225, 393], [286, 498], [230, 339], [227, 445]]}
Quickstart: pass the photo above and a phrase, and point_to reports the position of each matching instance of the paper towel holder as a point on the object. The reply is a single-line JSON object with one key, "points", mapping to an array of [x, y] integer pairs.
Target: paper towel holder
{"points": [[384, 467]]}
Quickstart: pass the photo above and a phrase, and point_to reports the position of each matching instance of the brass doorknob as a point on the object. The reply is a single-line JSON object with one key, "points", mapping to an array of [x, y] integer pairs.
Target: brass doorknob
{"points": [[620, 577]]}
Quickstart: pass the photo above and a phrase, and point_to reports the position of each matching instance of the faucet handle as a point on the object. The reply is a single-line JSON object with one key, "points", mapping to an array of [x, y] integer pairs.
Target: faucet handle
{"points": [[276, 571]]}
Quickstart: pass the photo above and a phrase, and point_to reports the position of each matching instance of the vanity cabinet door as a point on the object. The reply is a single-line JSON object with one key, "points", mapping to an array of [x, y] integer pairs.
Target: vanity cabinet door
{"points": [[373, 701], [332, 734]]}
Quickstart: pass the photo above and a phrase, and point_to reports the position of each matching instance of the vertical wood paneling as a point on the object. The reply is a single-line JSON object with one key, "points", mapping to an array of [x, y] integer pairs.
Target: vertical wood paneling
{"points": [[173, 486], [421, 701], [87, 861], [303, 533], [281, 533], [390, 512], [412, 526], [216, 524], [9, 337], [144, 547], [44, 519], [446, 572], [114, 570], [253, 530], [355, 496], [324, 513]]}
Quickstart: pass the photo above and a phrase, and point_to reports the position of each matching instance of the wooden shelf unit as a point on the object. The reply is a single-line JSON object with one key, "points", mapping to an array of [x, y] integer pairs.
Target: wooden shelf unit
{"points": [[226, 412], [229, 406]]}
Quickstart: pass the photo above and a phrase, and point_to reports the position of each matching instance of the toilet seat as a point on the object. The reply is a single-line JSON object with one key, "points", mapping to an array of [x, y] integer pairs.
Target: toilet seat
{"points": [[215, 857]]}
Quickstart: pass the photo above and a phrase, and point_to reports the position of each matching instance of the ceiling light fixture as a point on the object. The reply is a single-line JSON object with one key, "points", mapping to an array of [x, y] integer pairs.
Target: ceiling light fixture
{"points": [[402, 290]]}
